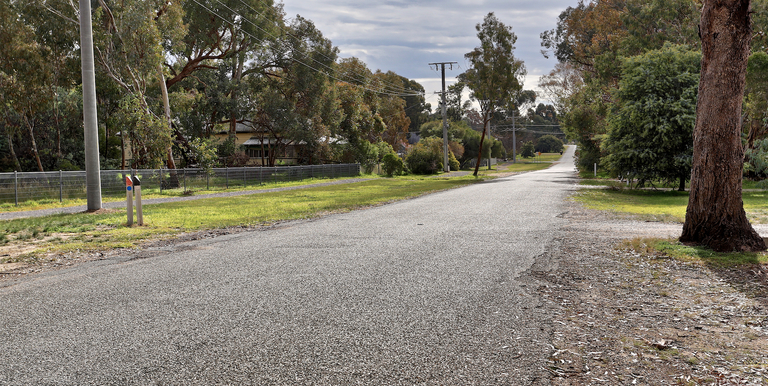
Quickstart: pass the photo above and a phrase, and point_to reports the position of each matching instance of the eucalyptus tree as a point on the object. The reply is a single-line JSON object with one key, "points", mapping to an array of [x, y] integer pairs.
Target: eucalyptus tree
{"points": [[392, 108], [293, 97], [25, 77], [59, 34], [590, 41], [495, 75], [361, 125], [128, 48], [715, 215]]}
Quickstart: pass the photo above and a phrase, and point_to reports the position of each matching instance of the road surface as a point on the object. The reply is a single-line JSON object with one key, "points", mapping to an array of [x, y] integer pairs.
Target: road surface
{"points": [[432, 291]]}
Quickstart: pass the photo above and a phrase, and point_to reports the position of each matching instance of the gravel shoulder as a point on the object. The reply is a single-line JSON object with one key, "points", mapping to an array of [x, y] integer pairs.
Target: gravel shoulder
{"points": [[626, 317]]}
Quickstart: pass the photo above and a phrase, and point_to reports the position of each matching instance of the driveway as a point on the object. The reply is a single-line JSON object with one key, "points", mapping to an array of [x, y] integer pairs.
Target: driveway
{"points": [[432, 290]]}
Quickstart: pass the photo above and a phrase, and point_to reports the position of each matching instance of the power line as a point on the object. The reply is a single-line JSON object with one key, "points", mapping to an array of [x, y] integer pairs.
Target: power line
{"points": [[359, 77], [396, 93]]}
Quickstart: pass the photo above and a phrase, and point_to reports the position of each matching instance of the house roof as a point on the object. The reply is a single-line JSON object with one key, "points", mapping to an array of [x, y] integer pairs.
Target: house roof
{"points": [[254, 141], [240, 127]]}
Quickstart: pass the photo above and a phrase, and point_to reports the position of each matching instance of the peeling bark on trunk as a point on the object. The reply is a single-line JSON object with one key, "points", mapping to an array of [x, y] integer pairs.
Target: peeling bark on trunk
{"points": [[170, 163], [34, 143], [233, 113], [715, 216], [16, 163]]}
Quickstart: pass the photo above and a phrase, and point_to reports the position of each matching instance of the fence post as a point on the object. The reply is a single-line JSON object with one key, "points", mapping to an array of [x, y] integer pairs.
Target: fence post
{"points": [[245, 183], [61, 187], [184, 172], [161, 180], [227, 177], [16, 187], [207, 179]]}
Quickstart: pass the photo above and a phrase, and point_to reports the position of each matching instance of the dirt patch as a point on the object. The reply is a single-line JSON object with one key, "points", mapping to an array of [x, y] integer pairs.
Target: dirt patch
{"points": [[53, 261], [10, 267], [626, 317]]}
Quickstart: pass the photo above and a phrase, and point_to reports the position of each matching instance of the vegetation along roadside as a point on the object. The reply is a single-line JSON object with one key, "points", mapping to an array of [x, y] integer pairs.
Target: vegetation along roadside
{"points": [[49, 240]]}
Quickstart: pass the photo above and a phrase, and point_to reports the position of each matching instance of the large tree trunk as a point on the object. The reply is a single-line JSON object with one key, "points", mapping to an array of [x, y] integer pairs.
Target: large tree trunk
{"points": [[486, 119], [715, 215], [170, 163]]}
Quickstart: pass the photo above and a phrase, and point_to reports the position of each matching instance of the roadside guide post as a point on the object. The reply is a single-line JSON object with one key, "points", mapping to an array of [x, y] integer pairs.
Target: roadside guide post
{"points": [[129, 199], [137, 188]]}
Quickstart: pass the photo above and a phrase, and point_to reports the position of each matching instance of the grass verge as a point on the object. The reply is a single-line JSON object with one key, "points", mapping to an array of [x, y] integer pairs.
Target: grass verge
{"points": [[669, 206], [156, 193], [522, 165], [36, 238]]}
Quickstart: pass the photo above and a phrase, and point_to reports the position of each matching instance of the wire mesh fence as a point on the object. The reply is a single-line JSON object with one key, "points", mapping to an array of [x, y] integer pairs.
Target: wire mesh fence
{"points": [[19, 187]]}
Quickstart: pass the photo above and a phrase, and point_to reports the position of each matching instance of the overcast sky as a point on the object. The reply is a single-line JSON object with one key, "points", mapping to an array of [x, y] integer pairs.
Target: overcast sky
{"points": [[405, 35]]}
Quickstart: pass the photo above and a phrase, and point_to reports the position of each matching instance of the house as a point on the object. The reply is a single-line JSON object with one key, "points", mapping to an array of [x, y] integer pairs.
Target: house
{"points": [[258, 145]]}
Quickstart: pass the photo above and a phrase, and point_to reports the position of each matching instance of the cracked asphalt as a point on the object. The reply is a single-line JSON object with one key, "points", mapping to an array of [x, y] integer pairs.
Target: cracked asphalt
{"points": [[432, 291]]}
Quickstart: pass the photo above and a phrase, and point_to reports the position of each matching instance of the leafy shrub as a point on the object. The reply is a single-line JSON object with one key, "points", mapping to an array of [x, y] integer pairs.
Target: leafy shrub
{"points": [[549, 144], [757, 161], [426, 157], [452, 161], [367, 154], [393, 165], [528, 150]]}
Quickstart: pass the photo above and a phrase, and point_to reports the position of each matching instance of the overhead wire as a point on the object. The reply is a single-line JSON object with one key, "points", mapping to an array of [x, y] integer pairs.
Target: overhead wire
{"points": [[380, 91], [358, 77]]}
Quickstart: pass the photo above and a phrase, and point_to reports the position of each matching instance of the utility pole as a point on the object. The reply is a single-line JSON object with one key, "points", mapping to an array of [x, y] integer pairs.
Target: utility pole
{"points": [[514, 140], [90, 121], [490, 148], [446, 166]]}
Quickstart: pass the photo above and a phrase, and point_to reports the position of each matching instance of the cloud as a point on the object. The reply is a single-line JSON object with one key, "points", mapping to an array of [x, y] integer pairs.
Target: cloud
{"points": [[405, 35]]}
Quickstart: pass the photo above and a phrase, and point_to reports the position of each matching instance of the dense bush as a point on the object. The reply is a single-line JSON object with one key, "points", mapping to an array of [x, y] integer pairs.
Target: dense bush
{"points": [[393, 165], [757, 162], [426, 157], [453, 162], [528, 150], [549, 144], [650, 135]]}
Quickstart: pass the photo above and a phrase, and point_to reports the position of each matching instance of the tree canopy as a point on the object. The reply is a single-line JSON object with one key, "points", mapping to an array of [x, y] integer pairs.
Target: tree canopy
{"points": [[225, 65], [650, 133], [496, 75]]}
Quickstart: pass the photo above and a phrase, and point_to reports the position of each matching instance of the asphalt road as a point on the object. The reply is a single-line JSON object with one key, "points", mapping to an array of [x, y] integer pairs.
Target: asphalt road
{"points": [[429, 291]]}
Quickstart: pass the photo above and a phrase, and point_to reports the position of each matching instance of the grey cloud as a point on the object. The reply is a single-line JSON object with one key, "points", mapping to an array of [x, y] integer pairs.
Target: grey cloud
{"points": [[403, 36]]}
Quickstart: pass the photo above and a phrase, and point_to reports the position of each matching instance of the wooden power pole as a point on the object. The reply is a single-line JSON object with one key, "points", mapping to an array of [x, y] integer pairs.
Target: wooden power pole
{"points": [[446, 165]]}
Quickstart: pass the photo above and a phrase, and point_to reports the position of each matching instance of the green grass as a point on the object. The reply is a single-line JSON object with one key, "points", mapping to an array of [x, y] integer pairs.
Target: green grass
{"points": [[603, 179], [661, 205], [156, 193], [522, 165], [695, 254], [101, 231]]}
